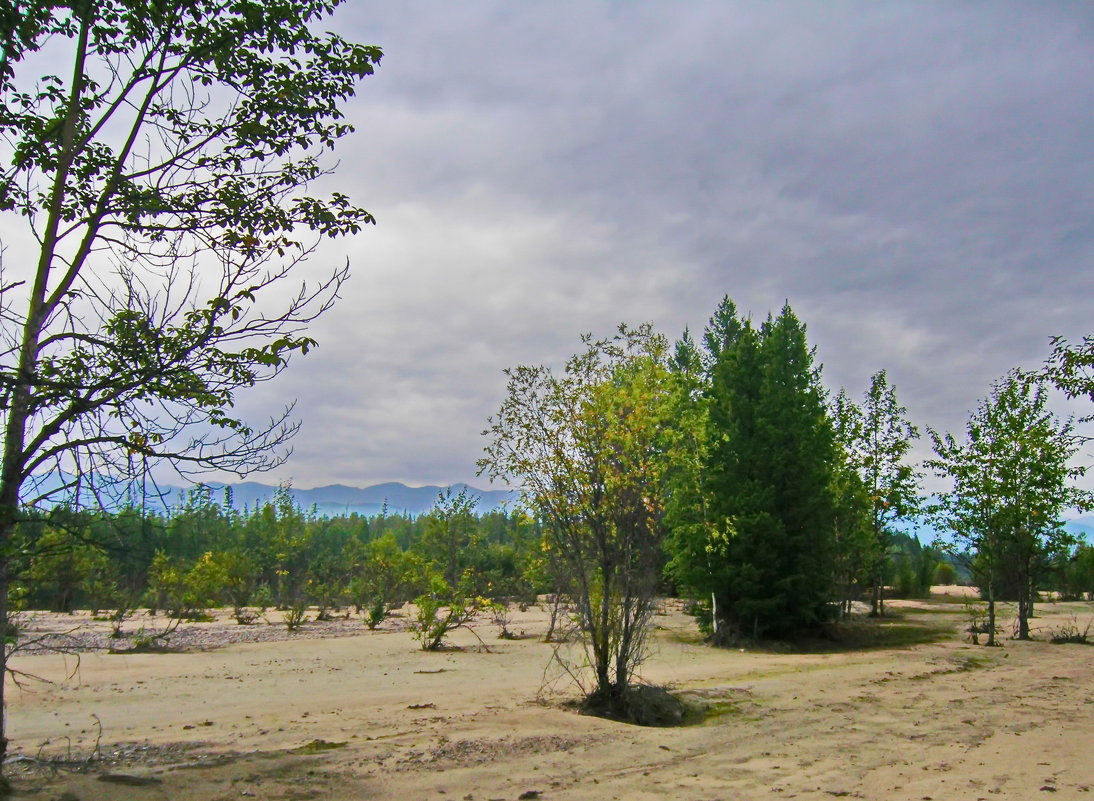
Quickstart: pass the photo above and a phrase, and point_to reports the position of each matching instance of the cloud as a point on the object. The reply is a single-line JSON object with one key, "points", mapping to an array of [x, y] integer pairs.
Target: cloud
{"points": [[914, 178]]}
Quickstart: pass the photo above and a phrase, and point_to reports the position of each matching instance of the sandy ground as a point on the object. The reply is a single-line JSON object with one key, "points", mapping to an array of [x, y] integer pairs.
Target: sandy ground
{"points": [[368, 716]]}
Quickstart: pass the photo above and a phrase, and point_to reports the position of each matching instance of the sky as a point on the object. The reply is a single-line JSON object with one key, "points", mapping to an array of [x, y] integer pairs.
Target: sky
{"points": [[916, 179]]}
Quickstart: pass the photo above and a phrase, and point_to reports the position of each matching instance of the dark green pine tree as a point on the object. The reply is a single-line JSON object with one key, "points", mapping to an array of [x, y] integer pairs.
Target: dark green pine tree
{"points": [[768, 475]]}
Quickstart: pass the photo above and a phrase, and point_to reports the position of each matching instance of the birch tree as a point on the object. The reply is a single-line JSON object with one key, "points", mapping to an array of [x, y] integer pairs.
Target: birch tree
{"points": [[1011, 478], [877, 438], [155, 158]]}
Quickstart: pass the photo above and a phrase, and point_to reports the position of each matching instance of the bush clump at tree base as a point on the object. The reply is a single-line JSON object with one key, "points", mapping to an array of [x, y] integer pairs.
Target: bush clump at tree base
{"points": [[640, 704]]}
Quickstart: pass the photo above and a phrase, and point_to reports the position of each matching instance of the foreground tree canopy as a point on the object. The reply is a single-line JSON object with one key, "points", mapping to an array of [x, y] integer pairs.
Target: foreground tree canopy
{"points": [[155, 157]]}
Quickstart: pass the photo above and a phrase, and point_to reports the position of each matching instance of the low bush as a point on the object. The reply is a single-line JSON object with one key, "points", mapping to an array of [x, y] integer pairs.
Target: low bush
{"points": [[444, 610], [640, 704], [1070, 633], [296, 617]]}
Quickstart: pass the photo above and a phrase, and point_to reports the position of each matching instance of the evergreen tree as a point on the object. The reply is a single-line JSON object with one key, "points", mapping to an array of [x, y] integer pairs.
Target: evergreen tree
{"points": [[687, 517], [769, 476], [687, 513]]}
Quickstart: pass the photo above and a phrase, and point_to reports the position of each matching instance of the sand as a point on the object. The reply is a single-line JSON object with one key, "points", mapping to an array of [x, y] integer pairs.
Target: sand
{"points": [[366, 715]]}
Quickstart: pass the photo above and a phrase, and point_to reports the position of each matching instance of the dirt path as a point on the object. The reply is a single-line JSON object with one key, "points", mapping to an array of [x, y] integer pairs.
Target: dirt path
{"points": [[371, 717]]}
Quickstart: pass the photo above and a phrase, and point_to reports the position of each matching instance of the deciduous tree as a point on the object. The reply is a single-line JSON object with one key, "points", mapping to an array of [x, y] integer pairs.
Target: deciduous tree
{"points": [[877, 437], [587, 450], [1071, 368], [156, 155], [1011, 478]]}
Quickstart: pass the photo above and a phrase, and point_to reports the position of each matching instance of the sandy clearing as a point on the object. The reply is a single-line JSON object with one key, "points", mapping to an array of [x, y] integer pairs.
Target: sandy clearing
{"points": [[945, 720]]}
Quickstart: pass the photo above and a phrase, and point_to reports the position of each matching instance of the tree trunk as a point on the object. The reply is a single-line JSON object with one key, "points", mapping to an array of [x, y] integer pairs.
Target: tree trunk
{"points": [[3, 667], [9, 507], [1024, 610], [991, 608]]}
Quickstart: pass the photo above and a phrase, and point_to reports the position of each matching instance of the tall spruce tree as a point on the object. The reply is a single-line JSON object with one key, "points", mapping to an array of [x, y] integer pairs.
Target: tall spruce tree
{"points": [[768, 479], [686, 515]]}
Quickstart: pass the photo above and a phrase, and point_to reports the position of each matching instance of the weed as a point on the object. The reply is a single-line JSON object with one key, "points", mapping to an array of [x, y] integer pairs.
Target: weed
{"points": [[244, 616], [295, 617], [377, 613], [1070, 633]]}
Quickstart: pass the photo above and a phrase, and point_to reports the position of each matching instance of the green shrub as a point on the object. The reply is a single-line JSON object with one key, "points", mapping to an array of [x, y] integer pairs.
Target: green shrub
{"points": [[443, 610]]}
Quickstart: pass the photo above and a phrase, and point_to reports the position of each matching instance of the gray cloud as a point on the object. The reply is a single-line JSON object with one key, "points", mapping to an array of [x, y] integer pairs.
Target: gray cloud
{"points": [[915, 179]]}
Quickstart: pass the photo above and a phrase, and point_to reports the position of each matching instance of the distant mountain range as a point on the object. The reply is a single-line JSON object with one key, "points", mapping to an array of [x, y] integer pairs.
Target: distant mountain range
{"points": [[339, 500], [336, 500]]}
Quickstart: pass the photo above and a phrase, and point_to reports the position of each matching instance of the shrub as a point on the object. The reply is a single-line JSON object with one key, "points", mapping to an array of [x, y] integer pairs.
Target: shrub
{"points": [[377, 613], [244, 616], [443, 610], [502, 618], [295, 616], [1071, 633]]}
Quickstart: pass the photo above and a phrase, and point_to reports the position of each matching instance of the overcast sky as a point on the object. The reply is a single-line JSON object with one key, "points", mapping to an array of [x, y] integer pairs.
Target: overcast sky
{"points": [[917, 179]]}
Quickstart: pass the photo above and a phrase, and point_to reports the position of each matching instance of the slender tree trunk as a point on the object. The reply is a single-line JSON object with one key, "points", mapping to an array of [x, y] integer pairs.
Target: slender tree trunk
{"points": [[1025, 610], [991, 607]]}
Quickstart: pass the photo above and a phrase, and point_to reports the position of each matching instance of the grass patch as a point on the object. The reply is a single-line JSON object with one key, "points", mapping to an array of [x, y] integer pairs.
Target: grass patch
{"points": [[319, 746], [974, 661], [935, 606], [712, 704], [884, 633], [684, 636], [640, 704]]}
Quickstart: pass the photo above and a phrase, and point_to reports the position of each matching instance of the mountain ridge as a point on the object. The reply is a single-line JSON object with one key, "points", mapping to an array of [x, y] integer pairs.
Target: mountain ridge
{"points": [[330, 500], [342, 500]]}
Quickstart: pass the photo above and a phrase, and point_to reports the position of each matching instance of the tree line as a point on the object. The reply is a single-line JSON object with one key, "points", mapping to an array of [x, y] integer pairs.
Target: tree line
{"points": [[206, 553]]}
